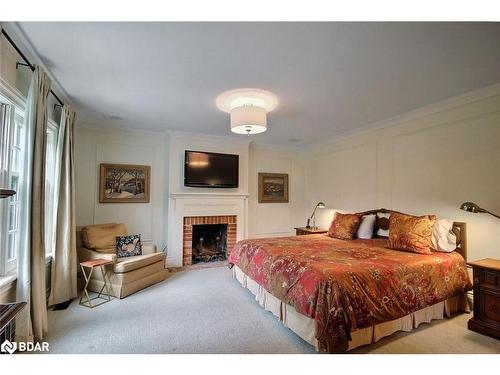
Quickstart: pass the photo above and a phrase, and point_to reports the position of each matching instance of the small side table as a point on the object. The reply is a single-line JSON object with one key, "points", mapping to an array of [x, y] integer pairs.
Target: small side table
{"points": [[486, 319], [301, 231], [91, 264]]}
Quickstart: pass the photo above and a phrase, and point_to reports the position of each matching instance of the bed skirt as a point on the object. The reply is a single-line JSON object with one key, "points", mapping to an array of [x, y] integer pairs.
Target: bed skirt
{"points": [[305, 327]]}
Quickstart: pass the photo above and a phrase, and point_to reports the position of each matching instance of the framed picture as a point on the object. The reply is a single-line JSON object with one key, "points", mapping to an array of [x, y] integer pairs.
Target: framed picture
{"points": [[273, 188], [124, 183]]}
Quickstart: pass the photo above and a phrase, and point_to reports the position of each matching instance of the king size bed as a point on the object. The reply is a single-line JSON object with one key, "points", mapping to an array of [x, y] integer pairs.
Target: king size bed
{"points": [[340, 294]]}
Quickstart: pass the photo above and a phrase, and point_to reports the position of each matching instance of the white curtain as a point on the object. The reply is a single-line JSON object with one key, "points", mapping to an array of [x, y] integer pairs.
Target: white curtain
{"points": [[32, 323], [3, 141], [64, 262]]}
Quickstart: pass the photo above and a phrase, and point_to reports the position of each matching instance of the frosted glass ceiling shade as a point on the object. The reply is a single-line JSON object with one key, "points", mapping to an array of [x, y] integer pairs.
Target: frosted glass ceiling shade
{"points": [[246, 96], [248, 119]]}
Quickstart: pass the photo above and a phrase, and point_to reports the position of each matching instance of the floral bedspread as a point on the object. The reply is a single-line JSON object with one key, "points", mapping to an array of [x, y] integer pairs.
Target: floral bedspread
{"points": [[349, 285]]}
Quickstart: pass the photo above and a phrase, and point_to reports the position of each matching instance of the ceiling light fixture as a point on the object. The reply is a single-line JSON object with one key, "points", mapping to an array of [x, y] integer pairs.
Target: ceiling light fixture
{"points": [[248, 109], [248, 119]]}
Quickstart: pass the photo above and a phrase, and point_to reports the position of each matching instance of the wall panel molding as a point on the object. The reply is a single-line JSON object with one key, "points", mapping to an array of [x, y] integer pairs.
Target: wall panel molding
{"points": [[427, 162], [95, 146]]}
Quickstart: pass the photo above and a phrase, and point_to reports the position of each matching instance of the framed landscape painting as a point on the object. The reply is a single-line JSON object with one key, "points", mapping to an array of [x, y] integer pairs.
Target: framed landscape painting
{"points": [[124, 183], [273, 188]]}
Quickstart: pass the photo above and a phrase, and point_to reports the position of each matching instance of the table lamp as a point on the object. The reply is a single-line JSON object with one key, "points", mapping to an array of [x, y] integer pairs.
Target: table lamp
{"points": [[313, 215]]}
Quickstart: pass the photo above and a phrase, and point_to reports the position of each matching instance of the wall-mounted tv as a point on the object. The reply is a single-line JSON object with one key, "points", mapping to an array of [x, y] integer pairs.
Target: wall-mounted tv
{"points": [[209, 169]]}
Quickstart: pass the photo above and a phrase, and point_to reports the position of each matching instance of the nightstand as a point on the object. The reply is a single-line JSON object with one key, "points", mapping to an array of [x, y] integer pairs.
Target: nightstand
{"points": [[301, 231], [486, 319]]}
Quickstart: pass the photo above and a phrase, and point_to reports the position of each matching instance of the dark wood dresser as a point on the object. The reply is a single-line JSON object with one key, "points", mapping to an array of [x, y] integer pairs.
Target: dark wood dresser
{"points": [[486, 319], [301, 231]]}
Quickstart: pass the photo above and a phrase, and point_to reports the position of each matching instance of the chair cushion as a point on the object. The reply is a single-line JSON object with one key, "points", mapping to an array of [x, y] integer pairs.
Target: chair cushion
{"points": [[132, 263], [102, 237]]}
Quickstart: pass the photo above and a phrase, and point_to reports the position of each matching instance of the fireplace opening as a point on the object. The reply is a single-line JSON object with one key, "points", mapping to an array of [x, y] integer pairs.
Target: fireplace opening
{"points": [[209, 242]]}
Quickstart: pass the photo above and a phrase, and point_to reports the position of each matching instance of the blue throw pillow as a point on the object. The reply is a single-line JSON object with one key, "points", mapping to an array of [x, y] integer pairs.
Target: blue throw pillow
{"points": [[128, 246]]}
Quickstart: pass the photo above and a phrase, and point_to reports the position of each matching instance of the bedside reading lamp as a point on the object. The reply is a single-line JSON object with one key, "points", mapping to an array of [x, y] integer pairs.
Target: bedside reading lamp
{"points": [[474, 208], [319, 205]]}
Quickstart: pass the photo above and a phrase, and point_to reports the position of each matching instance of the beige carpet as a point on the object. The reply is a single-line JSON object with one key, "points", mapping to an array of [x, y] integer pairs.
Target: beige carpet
{"points": [[206, 311], [447, 336]]}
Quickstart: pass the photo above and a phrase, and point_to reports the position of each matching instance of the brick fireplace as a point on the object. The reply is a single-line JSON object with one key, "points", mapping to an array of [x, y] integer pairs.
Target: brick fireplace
{"points": [[216, 222]]}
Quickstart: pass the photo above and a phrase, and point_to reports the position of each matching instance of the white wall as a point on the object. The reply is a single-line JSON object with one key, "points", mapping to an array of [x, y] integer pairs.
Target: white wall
{"points": [[275, 219], [180, 196], [165, 153], [96, 145], [427, 161], [254, 219], [180, 142], [18, 78]]}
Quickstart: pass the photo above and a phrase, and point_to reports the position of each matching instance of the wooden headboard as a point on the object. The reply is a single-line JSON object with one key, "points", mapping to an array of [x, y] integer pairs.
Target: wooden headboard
{"points": [[459, 228]]}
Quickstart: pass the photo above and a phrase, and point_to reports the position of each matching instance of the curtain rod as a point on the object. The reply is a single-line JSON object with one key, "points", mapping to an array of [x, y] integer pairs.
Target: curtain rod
{"points": [[27, 62]]}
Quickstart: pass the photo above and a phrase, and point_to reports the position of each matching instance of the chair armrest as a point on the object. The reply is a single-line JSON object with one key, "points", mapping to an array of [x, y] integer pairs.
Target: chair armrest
{"points": [[85, 254], [148, 249]]}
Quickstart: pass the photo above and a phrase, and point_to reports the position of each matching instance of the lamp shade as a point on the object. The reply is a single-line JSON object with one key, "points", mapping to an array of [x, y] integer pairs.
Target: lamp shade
{"points": [[248, 119], [321, 205], [470, 207], [474, 208]]}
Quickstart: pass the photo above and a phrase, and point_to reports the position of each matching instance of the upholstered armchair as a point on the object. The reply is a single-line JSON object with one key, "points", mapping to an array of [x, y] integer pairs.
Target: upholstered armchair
{"points": [[126, 275]]}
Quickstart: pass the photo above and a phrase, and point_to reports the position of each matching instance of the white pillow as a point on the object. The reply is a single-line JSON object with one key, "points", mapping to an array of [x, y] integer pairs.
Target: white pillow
{"points": [[383, 232], [365, 230], [443, 239]]}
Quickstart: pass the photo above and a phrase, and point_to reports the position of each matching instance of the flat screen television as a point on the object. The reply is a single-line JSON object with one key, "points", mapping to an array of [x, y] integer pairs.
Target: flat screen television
{"points": [[209, 169]]}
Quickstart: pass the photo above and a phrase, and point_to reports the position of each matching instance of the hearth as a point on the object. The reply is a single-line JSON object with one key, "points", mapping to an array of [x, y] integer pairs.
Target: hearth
{"points": [[209, 242], [223, 227]]}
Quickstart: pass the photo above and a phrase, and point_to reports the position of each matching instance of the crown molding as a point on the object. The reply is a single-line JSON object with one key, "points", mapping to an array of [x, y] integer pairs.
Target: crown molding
{"points": [[180, 195], [118, 130]]}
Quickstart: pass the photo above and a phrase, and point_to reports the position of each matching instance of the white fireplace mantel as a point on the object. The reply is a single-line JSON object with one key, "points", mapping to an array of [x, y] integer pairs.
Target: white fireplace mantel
{"points": [[202, 204], [207, 195]]}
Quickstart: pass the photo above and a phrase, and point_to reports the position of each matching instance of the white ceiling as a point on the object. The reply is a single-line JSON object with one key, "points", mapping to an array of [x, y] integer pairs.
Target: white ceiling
{"points": [[330, 78]]}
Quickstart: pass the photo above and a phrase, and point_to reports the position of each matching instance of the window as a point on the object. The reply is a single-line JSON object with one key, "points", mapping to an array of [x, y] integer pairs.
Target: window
{"points": [[16, 157], [50, 179], [12, 174], [11, 167]]}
